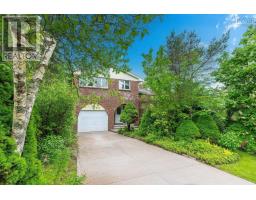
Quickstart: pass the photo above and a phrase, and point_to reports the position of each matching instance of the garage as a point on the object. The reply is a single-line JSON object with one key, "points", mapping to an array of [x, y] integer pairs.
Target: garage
{"points": [[92, 118]]}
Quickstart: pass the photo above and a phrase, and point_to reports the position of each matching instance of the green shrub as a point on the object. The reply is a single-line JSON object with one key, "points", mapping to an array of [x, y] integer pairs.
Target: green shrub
{"points": [[157, 122], [247, 140], [129, 114], [250, 144], [150, 138], [34, 170], [230, 140], [207, 126], [52, 150], [55, 106], [145, 123], [12, 165], [236, 127], [187, 130], [199, 149], [6, 95]]}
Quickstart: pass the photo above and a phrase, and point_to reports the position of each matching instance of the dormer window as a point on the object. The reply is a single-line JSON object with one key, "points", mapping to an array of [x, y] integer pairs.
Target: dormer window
{"points": [[96, 83], [124, 85]]}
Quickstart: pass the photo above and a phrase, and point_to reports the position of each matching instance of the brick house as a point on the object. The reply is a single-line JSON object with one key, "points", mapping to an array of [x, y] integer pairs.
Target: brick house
{"points": [[112, 94]]}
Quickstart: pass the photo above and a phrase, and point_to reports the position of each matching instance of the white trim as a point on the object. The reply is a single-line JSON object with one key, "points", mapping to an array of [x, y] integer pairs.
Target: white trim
{"points": [[88, 86], [124, 85], [93, 107]]}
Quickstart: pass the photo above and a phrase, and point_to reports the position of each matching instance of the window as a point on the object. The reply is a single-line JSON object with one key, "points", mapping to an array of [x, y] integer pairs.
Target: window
{"points": [[124, 85], [96, 82]]}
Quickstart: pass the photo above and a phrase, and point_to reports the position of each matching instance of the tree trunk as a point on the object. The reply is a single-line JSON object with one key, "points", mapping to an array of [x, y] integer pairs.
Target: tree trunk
{"points": [[24, 98], [19, 107], [129, 127]]}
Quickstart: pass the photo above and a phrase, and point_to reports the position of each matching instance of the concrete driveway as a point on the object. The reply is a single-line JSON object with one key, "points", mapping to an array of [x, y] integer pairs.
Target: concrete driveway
{"points": [[110, 158]]}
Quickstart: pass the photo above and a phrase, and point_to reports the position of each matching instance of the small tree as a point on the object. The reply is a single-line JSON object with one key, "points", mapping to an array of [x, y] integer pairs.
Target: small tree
{"points": [[129, 114]]}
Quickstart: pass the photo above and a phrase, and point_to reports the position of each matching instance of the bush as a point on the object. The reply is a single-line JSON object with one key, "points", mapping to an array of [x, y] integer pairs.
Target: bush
{"points": [[230, 140], [34, 170], [207, 126], [250, 144], [6, 97], [55, 106], [199, 149], [150, 138], [187, 130], [129, 114], [52, 150], [247, 140], [12, 165], [145, 123]]}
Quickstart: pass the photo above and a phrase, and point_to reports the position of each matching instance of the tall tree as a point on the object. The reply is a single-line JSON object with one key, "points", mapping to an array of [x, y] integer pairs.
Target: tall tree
{"points": [[237, 72], [174, 74]]}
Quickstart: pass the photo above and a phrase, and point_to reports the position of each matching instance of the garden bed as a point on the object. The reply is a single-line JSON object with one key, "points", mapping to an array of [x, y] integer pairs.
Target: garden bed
{"points": [[201, 150]]}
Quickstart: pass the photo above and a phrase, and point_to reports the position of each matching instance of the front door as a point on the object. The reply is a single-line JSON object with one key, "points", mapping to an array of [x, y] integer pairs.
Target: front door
{"points": [[118, 113]]}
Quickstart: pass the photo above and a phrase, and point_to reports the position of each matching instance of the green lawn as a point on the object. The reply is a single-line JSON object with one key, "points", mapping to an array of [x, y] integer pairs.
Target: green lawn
{"points": [[244, 168]]}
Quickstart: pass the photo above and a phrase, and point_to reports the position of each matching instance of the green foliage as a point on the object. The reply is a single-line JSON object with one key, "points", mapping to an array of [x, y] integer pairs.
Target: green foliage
{"points": [[6, 97], [55, 106], [236, 136], [207, 126], [173, 73], [102, 40], [187, 130], [52, 149], [200, 149], [230, 140], [34, 169], [157, 121], [55, 115], [237, 72], [129, 114], [145, 123], [249, 144], [12, 166]]}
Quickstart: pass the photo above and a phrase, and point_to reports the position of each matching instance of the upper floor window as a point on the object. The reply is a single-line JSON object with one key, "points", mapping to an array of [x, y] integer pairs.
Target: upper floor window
{"points": [[96, 82], [124, 85]]}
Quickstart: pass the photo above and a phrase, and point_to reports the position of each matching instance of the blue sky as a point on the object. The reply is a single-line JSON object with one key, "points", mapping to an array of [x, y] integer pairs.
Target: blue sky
{"points": [[206, 26]]}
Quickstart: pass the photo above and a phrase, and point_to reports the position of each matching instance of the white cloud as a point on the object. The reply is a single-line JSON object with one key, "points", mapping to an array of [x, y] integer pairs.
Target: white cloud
{"points": [[217, 26], [232, 22]]}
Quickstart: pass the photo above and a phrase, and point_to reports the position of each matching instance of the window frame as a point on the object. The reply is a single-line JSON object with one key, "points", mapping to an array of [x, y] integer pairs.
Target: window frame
{"points": [[94, 83], [124, 84]]}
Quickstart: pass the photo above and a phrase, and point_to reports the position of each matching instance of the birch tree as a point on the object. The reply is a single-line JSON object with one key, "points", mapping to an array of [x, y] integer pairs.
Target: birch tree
{"points": [[24, 94]]}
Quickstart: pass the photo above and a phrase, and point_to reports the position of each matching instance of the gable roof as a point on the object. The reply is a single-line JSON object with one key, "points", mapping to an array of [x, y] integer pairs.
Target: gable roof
{"points": [[124, 75], [120, 75]]}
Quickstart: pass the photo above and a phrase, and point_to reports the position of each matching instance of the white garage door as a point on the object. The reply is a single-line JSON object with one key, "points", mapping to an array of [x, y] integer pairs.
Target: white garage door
{"points": [[92, 121]]}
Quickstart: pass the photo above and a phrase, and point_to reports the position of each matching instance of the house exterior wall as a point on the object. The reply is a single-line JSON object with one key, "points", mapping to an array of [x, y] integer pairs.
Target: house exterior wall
{"points": [[112, 98]]}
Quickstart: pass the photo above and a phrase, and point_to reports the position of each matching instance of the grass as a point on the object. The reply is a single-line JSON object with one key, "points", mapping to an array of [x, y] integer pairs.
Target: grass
{"points": [[244, 168]]}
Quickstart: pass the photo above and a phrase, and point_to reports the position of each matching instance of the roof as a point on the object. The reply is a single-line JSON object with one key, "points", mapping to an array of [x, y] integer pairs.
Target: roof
{"points": [[120, 75], [124, 75], [145, 91]]}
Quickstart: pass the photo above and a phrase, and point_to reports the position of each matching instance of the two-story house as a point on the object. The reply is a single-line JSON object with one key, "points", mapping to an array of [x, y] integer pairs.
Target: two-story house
{"points": [[113, 92]]}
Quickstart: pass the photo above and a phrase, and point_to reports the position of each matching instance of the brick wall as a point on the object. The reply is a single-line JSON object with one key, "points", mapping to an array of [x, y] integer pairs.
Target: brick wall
{"points": [[112, 98]]}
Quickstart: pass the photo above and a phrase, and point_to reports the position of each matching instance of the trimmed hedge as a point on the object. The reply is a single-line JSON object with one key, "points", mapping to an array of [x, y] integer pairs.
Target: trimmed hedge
{"points": [[187, 130], [207, 126]]}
